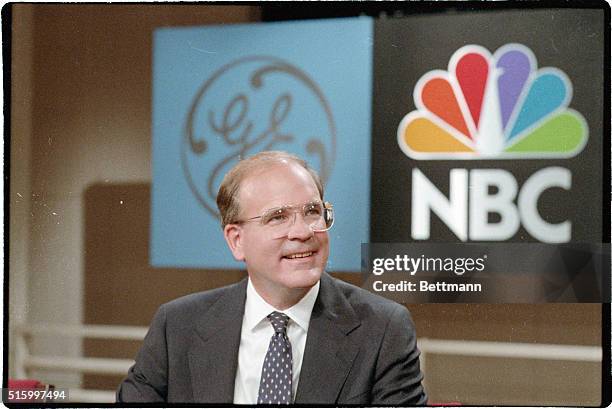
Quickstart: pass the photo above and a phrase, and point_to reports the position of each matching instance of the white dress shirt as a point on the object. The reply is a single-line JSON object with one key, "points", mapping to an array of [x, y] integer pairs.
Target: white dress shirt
{"points": [[255, 337]]}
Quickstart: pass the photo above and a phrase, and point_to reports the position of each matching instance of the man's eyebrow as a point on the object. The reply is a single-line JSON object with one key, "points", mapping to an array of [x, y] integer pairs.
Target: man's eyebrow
{"points": [[313, 201], [276, 208]]}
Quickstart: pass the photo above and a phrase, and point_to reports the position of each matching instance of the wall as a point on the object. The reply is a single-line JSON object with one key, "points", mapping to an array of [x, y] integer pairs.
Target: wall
{"points": [[19, 200]]}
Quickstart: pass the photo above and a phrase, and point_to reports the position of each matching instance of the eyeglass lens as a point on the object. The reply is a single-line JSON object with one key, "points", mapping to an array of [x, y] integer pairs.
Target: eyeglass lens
{"points": [[314, 215]]}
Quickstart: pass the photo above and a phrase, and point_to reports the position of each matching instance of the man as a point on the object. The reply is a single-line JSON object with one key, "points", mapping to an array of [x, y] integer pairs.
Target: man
{"points": [[288, 334]]}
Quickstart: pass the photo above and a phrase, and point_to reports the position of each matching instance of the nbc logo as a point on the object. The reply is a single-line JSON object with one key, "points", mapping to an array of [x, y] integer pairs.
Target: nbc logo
{"points": [[494, 107]]}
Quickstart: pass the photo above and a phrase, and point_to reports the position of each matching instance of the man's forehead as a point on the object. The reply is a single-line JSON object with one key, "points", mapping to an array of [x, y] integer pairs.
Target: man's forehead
{"points": [[276, 184], [278, 172]]}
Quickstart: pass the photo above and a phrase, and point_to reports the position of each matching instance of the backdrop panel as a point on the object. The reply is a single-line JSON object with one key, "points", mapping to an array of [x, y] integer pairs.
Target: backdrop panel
{"points": [[221, 93], [487, 126]]}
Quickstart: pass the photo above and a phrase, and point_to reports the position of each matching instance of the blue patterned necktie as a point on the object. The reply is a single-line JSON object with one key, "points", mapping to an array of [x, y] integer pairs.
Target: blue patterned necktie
{"points": [[277, 371]]}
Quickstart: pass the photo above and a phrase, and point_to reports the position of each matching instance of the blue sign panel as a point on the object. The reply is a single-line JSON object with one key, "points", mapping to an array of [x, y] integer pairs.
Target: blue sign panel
{"points": [[225, 92]]}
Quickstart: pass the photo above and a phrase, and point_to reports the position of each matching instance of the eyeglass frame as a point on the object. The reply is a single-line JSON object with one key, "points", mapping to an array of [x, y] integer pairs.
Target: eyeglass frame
{"points": [[327, 207]]}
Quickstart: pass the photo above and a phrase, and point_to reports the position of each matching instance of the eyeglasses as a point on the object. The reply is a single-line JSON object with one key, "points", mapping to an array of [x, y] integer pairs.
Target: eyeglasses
{"points": [[318, 216]]}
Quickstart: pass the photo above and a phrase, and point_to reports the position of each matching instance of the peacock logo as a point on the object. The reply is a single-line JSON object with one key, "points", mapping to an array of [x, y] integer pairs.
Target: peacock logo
{"points": [[498, 106]]}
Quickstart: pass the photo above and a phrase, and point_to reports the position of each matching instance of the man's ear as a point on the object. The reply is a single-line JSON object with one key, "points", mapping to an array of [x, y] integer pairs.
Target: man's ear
{"points": [[233, 238]]}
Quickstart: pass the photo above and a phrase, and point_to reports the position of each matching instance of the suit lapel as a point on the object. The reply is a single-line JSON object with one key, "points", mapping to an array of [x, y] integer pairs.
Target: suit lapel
{"points": [[213, 354], [330, 349]]}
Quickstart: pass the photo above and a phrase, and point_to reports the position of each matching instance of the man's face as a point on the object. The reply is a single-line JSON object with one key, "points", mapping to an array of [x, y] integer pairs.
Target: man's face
{"points": [[269, 260]]}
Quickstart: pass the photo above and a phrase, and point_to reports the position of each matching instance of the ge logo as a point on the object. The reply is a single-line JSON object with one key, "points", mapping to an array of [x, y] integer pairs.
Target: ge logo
{"points": [[253, 104]]}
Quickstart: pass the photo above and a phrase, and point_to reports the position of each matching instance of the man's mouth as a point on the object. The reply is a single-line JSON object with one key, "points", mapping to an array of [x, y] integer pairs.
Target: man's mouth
{"points": [[299, 255]]}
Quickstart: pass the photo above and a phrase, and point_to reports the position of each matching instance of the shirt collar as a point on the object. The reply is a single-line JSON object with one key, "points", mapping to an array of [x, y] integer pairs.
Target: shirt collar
{"points": [[257, 309]]}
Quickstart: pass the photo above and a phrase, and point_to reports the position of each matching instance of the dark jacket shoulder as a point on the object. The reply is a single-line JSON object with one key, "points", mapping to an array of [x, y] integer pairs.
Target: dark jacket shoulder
{"points": [[185, 311], [364, 301], [200, 299]]}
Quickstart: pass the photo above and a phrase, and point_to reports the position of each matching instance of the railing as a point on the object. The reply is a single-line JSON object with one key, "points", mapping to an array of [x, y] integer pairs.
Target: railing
{"points": [[110, 366], [24, 361], [548, 352]]}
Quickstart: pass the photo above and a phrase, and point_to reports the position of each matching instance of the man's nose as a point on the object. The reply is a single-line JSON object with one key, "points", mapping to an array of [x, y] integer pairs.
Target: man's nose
{"points": [[299, 229]]}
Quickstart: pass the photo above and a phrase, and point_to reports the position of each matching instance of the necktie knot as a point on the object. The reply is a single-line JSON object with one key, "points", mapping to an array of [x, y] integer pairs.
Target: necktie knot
{"points": [[279, 321]]}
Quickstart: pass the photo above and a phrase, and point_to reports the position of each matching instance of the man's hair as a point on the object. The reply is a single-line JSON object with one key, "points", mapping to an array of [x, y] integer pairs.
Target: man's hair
{"points": [[227, 198]]}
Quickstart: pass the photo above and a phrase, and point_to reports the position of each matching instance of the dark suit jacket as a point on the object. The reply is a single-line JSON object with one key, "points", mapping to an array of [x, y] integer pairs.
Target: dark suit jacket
{"points": [[360, 349]]}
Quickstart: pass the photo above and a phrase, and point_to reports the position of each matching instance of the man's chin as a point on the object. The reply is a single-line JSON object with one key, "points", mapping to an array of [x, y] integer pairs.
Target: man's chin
{"points": [[304, 278]]}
